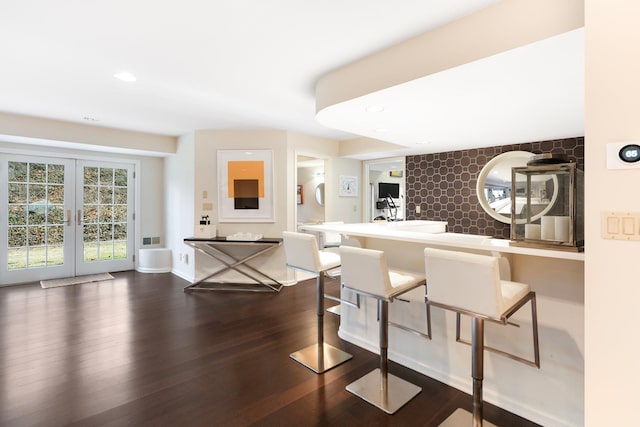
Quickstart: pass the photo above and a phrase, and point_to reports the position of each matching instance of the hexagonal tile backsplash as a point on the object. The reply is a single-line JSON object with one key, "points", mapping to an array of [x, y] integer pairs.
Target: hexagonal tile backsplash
{"points": [[444, 184]]}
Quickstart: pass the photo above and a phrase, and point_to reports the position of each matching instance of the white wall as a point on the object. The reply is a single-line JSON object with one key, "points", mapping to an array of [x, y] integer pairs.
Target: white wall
{"points": [[310, 210], [340, 208], [612, 104], [206, 145], [179, 207]]}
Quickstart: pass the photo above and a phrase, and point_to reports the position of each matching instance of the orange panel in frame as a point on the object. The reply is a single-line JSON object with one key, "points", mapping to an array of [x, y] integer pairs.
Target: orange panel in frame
{"points": [[245, 170]]}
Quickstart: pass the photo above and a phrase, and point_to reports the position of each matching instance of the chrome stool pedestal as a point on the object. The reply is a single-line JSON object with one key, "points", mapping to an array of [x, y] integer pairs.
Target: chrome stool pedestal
{"points": [[302, 253], [365, 272]]}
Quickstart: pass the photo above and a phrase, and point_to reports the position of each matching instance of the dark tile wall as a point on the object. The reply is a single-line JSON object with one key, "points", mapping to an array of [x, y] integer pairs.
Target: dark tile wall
{"points": [[444, 184]]}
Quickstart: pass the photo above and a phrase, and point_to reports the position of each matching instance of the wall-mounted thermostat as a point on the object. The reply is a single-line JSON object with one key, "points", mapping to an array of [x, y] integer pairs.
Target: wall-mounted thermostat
{"points": [[623, 155]]}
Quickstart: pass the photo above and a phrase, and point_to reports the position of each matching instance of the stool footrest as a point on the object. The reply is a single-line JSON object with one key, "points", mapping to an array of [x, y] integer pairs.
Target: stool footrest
{"points": [[369, 388], [320, 361]]}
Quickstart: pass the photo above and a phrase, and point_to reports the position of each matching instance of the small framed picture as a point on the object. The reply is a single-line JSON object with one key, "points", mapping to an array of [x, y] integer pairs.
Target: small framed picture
{"points": [[299, 195]]}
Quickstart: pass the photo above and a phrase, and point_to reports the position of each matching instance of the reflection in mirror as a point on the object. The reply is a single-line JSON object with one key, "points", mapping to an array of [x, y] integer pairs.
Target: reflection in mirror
{"points": [[494, 188], [320, 194]]}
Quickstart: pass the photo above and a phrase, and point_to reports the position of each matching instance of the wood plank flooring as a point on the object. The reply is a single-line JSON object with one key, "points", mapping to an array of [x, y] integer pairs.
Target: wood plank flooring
{"points": [[138, 351]]}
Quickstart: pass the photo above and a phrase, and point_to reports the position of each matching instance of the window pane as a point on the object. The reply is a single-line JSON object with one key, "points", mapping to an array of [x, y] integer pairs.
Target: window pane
{"points": [[18, 171], [120, 213], [37, 257], [55, 255], [120, 231], [36, 215], [56, 174], [55, 194], [90, 195], [90, 176], [90, 252], [17, 258], [120, 178], [90, 214], [17, 193], [37, 236], [55, 215], [37, 193], [119, 250], [120, 195], [106, 195], [55, 235], [106, 251], [106, 232], [37, 172], [106, 214], [106, 176], [17, 236], [17, 214], [90, 233]]}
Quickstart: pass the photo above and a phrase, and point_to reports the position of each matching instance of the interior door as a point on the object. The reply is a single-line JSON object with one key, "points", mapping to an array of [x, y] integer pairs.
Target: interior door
{"points": [[104, 217], [36, 221]]}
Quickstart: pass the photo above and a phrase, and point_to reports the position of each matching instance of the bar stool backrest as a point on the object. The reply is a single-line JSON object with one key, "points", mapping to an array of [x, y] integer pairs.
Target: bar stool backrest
{"points": [[301, 251], [365, 270], [463, 280]]}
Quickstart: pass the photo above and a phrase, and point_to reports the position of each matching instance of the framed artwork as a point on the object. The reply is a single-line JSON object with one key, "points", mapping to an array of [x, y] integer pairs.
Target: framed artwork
{"points": [[348, 186], [299, 195], [245, 186]]}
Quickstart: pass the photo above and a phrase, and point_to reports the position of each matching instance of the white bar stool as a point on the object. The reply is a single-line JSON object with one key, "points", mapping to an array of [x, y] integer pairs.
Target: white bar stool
{"points": [[470, 284], [331, 243], [301, 251], [365, 272]]}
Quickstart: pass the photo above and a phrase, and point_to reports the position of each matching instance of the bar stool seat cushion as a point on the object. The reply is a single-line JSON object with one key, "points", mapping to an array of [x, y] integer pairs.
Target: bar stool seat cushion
{"points": [[301, 251], [512, 293], [328, 260], [472, 282], [370, 274]]}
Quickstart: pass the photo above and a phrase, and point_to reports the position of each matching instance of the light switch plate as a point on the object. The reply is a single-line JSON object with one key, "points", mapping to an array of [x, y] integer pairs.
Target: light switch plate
{"points": [[620, 225]]}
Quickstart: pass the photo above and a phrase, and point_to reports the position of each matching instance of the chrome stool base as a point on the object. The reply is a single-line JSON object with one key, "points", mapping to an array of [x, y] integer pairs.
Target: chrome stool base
{"points": [[398, 393], [334, 310], [462, 418], [320, 361]]}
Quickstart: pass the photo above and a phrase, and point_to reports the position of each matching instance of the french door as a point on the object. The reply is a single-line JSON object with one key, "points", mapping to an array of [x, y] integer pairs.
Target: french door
{"points": [[64, 217]]}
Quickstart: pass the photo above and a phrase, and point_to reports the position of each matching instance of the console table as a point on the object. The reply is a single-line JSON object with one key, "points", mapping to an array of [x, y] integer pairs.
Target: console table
{"points": [[219, 248]]}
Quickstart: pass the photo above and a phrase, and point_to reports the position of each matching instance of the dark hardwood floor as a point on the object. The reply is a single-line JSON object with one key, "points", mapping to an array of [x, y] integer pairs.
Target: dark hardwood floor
{"points": [[138, 351]]}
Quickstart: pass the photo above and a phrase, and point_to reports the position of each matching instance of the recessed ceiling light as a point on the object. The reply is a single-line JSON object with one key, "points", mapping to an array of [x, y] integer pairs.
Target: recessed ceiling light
{"points": [[125, 77], [90, 119], [374, 109]]}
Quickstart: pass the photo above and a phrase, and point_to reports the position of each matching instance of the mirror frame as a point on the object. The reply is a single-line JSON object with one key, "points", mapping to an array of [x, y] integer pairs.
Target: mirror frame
{"points": [[319, 194], [487, 169]]}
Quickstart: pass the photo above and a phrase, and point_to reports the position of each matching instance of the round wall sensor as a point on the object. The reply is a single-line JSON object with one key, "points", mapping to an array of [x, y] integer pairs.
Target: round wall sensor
{"points": [[630, 153]]}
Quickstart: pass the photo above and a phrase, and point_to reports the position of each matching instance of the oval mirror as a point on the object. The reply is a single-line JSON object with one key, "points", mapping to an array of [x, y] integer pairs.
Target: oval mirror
{"points": [[320, 194], [494, 188]]}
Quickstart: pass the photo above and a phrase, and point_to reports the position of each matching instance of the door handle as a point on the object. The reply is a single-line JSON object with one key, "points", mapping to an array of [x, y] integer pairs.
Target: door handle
{"points": [[68, 217], [79, 218]]}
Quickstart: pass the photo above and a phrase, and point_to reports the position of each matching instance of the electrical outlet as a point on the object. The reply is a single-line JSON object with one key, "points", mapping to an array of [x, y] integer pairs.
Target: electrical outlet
{"points": [[417, 209]]}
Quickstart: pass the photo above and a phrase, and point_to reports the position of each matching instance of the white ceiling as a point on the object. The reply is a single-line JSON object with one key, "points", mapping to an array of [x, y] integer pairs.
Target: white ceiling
{"points": [[242, 64]]}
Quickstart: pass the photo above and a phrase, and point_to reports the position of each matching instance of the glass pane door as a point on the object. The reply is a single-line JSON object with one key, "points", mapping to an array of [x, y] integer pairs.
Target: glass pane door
{"points": [[36, 202], [104, 217]]}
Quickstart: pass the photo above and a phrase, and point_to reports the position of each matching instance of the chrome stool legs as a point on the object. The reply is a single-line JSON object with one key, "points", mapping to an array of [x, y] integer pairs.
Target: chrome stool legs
{"points": [[378, 387], [320, 357]]}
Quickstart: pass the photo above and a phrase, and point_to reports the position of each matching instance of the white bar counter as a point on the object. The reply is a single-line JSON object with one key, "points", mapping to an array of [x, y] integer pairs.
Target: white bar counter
{"points": [[551, 395]]}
